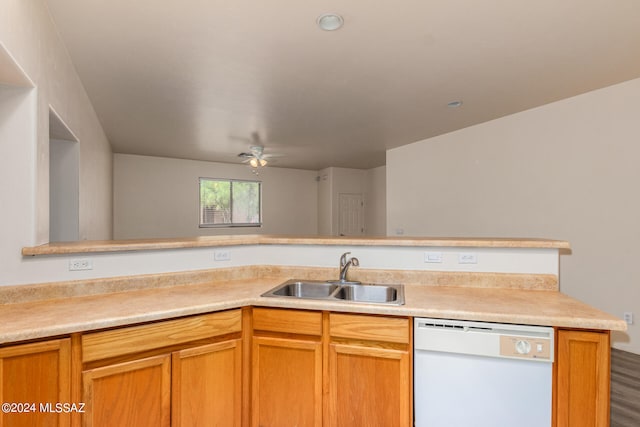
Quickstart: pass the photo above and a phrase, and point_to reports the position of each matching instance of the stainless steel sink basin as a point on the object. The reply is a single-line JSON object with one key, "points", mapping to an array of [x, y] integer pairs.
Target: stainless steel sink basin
{"points": [[303, 289], [336, 291], [369, 293]]}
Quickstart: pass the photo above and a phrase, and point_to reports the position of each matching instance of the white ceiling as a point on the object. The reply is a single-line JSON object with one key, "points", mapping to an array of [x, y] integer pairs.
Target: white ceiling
{"points": [[195, 78]]}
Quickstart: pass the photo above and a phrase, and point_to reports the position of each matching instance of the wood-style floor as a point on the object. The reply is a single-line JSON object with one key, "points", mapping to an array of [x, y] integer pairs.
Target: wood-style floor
{"points": [[625, 389]]}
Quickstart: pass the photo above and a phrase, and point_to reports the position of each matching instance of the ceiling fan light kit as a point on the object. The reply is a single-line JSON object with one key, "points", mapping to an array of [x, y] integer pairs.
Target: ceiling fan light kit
{"points": [[255, 158], [255, 163]]}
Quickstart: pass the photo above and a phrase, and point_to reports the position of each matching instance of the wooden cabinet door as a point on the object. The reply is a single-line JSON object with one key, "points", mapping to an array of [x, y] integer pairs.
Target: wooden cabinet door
{"points": [[369, 386], [37, 374], [207, 385], [369, 371], [286, 382], [582, 379], [135, 393]]}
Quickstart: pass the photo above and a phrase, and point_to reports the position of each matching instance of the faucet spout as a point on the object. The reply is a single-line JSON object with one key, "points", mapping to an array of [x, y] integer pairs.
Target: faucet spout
{"points": [[345, 263]]}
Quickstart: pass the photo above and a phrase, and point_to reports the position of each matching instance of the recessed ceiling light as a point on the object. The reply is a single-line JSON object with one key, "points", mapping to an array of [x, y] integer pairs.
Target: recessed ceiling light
{"points": [[454, 104], [330, 21]]}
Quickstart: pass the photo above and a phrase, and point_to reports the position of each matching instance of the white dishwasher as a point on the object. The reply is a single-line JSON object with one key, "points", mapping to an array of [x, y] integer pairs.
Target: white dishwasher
{"points": [[482, 374]]}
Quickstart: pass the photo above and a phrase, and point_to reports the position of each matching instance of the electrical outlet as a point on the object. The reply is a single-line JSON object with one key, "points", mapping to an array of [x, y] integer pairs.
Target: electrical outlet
{"points": [[222, 256], [80, 264], [433, 257], [467, 258], [628, 317]]}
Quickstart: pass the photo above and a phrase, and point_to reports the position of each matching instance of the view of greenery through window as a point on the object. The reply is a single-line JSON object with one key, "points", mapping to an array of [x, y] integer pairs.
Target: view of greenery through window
{"points": [[228, 202]]}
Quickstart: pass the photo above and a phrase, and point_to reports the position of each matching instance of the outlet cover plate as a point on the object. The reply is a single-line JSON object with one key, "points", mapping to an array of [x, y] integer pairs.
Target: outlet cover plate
{"points": [[80, 264]]}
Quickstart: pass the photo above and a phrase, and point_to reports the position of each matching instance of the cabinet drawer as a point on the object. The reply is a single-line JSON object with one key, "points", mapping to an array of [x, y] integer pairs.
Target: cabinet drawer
{"points": [[287, 321], [374, 328], [117, 342]]}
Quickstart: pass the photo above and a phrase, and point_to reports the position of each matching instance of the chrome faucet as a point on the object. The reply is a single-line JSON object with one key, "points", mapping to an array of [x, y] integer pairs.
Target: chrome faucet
{"points": [[345, 264]]}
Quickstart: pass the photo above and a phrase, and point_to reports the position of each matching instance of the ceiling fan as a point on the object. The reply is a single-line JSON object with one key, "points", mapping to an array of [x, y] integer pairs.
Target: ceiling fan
{"points": [[256, 157]]}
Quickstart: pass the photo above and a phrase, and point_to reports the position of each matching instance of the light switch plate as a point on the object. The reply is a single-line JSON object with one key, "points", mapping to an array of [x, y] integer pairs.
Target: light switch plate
{"points": [[628, 317]]}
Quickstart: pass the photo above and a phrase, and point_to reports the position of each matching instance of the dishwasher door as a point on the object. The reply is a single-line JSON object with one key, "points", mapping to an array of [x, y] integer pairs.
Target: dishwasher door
{"points": [[461, 389]]}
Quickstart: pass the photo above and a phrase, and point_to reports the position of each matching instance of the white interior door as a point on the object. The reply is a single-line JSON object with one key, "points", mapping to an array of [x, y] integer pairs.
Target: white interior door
{"points": [[350, 214]]}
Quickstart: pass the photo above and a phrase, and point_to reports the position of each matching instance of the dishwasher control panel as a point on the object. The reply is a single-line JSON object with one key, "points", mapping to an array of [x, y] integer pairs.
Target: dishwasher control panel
{"points": [[525, 347], [524, 342]]}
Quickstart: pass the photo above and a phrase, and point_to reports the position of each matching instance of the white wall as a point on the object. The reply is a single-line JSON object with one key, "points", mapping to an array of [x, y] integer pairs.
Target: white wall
{"points": [[568, 170], [159, 197], [375, 220], [29, 37], [325, 202], [64, 177], [17, 178]]}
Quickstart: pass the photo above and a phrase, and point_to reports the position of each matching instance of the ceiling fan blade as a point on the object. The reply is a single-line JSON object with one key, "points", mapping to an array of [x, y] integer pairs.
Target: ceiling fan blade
{"points": [[255, 138]]}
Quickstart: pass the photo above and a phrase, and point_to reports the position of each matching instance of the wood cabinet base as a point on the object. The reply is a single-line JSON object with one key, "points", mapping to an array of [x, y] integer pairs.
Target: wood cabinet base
{"points": [[582, 378], [35, 374], [136, 393]]}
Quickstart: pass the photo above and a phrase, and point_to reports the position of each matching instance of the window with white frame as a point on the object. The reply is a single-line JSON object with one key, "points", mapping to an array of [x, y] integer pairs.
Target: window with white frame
{"points": [[230, 203]]}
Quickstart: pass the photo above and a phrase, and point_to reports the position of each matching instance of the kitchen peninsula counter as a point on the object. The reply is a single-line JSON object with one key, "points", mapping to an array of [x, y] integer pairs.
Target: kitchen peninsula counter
{"points": [[116, 309], [514, 281], [64, 315], [97, 246]]}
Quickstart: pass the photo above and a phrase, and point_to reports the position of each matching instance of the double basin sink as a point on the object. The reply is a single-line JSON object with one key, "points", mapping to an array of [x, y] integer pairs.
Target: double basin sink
{"points": [[339, 291]]}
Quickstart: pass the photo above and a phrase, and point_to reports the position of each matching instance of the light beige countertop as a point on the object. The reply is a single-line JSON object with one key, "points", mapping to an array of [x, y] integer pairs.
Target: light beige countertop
{"points": [[53, 317], [87, 246]]}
